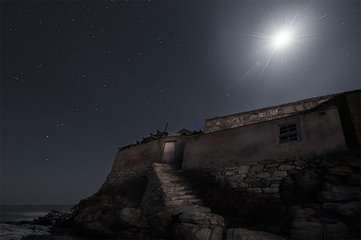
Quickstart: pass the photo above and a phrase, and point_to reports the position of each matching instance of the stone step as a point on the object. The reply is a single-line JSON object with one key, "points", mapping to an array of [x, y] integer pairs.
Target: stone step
{"points": [[175, 188], [158, 166], [180, 193], [183, 197], [179, 203], [170, 177], [175, 185]]}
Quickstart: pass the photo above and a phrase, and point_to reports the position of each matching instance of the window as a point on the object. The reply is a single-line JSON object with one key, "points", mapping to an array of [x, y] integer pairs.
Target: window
{"points": [[289, 133]]}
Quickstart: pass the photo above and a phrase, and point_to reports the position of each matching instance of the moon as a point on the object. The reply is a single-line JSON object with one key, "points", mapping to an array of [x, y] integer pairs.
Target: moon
{"points": [[282, 39]]}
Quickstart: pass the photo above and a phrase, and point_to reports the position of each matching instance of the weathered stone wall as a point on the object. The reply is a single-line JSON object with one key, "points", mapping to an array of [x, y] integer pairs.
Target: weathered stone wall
{"points": [[354, 104], [260, 115], [262, 178], [119, 177], [317, 198], [321, 133]]}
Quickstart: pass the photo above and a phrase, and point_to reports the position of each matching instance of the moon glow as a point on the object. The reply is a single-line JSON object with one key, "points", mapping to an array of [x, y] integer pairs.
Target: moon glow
{"points": [[282, 39]]}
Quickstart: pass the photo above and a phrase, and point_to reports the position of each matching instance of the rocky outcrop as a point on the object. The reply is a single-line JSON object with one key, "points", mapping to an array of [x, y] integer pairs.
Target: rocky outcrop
{"points": [[245, 234], [19, 231], [310, 199]]}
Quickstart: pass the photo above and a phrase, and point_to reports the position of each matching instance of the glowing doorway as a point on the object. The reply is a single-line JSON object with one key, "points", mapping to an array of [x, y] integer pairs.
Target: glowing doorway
{"points": [[169, 152]]}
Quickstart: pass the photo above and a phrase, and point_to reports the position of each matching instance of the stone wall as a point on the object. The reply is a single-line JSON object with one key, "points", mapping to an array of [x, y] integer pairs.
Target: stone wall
{"points": [[354, 104], [260, 115], [262, 178], [119, 177], [316, 198], [147, 153], [321, 132]]}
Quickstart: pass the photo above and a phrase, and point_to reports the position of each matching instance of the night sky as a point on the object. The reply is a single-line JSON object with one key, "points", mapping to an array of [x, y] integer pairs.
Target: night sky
{"points": [[79, 79]]}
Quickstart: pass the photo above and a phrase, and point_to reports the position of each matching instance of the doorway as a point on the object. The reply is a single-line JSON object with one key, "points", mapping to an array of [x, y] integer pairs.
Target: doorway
{"points": [[169, 152]]}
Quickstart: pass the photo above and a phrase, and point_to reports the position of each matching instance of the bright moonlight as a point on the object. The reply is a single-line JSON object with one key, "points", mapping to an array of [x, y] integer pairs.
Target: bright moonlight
{"points": [[282, 39]]}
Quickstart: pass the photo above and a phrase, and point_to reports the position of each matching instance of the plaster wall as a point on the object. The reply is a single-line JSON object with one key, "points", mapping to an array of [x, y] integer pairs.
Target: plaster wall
{"points": [[260, 115], [321, 133], [146, 153]]}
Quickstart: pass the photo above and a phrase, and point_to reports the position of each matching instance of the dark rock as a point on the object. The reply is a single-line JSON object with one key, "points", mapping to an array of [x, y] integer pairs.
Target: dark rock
{"points": [[318, 229], [340, 193], [245, 234], [351, 209], [340, 170], [354, 180], [130, 216], [331, 207], [305, 230], [54, 217], [19, 231]]}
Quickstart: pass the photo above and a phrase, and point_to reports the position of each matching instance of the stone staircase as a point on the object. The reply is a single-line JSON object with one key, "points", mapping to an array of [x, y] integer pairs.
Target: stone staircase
{"points": [[172, 209], [176, 191]]}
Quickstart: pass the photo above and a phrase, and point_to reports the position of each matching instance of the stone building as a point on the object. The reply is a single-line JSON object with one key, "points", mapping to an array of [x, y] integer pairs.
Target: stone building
{"points": [[292, 170], [302, 129]]}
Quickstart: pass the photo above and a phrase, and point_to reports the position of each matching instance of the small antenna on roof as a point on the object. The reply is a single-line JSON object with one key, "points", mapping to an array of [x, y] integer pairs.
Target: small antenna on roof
{"points": [[166, 126]]}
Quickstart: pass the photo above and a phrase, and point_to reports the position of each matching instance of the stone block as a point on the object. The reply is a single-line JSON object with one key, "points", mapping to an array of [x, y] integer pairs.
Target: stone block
{"points": [[263, 175], [256, 168], [272, 165], [243, 169], [255, 190], [243, 185], [270, 190], [351, 209], [286, 167], [340, 193], [280, 174], [340, 170]]}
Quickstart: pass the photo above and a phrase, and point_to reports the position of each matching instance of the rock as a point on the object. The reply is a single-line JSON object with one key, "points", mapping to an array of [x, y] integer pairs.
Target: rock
{"points": [[331, 207], [297, 212], [243, 169], [130, 216], [19, 231], [354, 180], [340, 170], [263, 175], [271, 190], [202, 218], [351, 209], [286, 167], [280, 174], [305, 230], [336, 230], [317, 229], [354, 163], [340, 193], [245, 234], [308, 181], [54, 217], [188, 231]]}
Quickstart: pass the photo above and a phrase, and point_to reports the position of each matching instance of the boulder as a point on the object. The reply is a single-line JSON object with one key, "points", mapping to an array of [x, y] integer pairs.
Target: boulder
{"points": [[318, 229], [189, 231], [245, 234], [351, 209], [130, 216], [297, 212], [340, 170], [202, 218], [340, 193], [308, 182], [305, 230]]}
